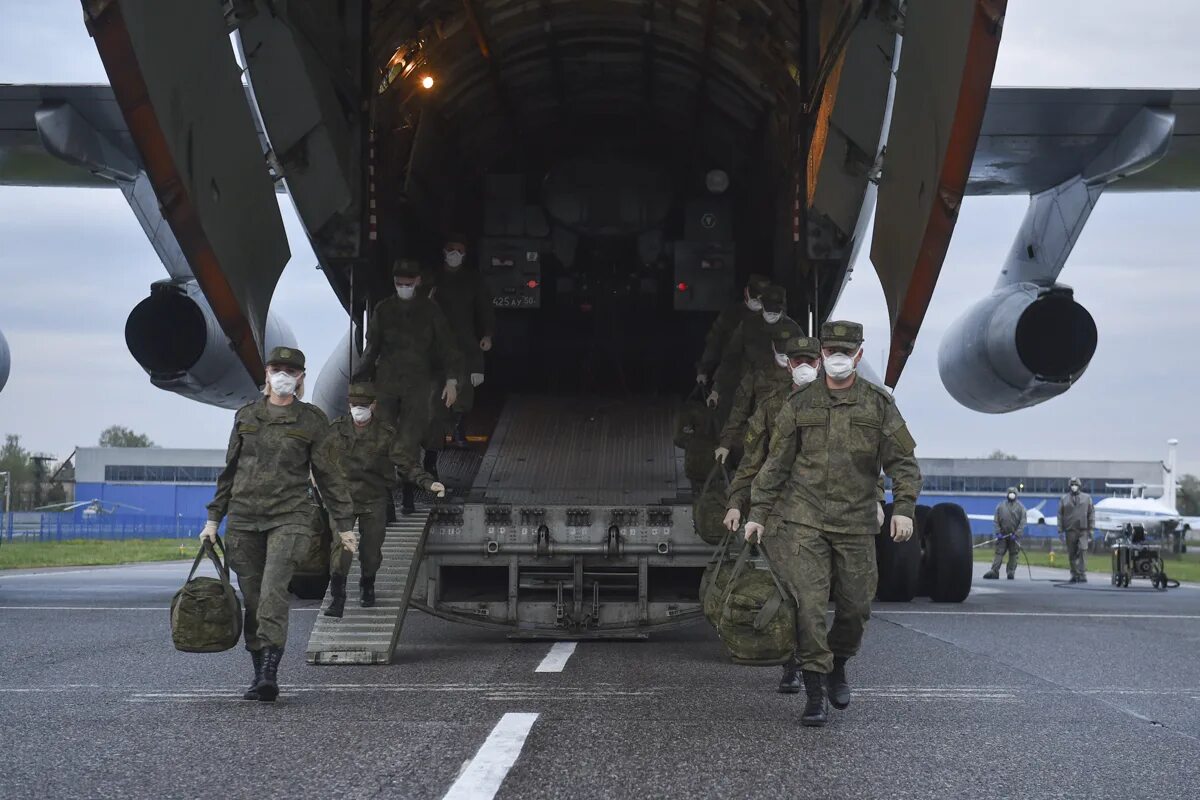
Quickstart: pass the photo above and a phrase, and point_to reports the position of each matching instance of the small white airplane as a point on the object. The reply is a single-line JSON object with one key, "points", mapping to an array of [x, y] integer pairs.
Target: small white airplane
{"points": [[91, 508]]}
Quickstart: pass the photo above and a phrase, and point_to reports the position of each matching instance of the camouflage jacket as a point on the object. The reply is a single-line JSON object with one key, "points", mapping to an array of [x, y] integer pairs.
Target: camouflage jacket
{"points": [[1010, 518], [408, 341], [758, 436], [756, 386], [268, 465], [826, 451], [465, 300], [749, 349], [720, 333], [1076, 513], [369, 454]]}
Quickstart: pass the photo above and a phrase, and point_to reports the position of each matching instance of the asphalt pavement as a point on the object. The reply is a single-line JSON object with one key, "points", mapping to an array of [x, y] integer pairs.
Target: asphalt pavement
{"points": [[1026, 690]]}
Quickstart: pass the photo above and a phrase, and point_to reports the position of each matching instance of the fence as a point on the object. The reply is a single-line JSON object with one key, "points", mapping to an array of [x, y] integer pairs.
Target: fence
{"points": [[59, 527]]}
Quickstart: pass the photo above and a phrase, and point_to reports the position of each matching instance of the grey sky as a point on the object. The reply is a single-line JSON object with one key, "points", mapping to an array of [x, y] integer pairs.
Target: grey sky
{"points": [[74, 262]]}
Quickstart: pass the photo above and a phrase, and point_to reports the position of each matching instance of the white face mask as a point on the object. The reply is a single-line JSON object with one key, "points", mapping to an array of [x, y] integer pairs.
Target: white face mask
{"points": [[1012, 496], [406, 292], [454, 258], [781, 360], [804, 374], [1074, 490], [282, 384], [754, 304], [839, 365], [361, 414], [771, 317]]}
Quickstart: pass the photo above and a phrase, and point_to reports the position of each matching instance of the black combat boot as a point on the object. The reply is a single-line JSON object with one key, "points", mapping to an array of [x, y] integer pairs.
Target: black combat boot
{"points": [[839, 688], [252, 692], [789, 682], [367, 585], [1012, 576], [406, 499], [431, 459], [991, 575], [267, 687], [816, 708], [459, 436], [337, 588]]}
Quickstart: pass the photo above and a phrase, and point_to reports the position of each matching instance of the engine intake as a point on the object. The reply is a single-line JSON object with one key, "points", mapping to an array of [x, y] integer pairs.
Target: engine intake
{"points": [[1019, 346], [174, 336]]}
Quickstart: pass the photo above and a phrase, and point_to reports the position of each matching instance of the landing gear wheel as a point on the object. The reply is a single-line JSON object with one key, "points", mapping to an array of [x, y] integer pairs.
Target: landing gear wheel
{"points": [[948, 556], [899, 562]]}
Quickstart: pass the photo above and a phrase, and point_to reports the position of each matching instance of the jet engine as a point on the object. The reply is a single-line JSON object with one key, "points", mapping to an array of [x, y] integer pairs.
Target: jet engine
{"points": [[174, 336], [5, 361], [1019, 346]]}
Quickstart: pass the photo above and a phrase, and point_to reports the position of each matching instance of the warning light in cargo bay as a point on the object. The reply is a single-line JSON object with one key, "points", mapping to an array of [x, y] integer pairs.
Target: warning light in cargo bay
{"points": [[531, 284], [683, 287], [427, 82]]}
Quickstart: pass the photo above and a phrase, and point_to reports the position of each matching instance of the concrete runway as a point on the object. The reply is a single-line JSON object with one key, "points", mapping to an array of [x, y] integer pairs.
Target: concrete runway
{"points": [[1025, 690]]}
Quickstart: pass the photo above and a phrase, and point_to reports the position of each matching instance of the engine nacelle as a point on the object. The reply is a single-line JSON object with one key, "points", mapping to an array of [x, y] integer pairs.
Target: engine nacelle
{"points": [[5, 361], [1019, 346], [174, 336]]}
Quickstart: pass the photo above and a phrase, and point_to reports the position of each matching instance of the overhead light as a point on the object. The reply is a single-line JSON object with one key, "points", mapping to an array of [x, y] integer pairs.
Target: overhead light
{"points": [[427, 82], [717, 180]]}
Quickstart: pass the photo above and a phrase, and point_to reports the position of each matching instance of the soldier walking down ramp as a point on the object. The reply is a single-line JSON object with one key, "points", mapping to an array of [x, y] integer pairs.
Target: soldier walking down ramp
{"points": [[372, 453], [276, 444], [1076, 521], [407, 337], [820, 481], [1010, 527]]}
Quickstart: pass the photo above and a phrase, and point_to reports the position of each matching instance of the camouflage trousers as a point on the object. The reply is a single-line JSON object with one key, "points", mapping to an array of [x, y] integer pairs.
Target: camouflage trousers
{"points": [[809, 562], [410, 411], [372, 526], [1077, 542], [1011, 546], [264, 561]]}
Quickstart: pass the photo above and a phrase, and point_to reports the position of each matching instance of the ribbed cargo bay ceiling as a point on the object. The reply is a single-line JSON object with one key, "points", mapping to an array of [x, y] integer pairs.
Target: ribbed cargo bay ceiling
{"points": [[511, 79]]}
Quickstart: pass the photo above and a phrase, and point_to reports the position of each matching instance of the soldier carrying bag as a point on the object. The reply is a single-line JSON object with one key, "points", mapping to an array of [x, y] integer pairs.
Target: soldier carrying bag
{"points": [[206, 615], [708, 510], [696, 434], [758, 620]]}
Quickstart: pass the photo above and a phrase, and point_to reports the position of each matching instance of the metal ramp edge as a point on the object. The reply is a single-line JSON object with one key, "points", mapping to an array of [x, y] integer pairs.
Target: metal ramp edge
{"points": [[370, 635]]}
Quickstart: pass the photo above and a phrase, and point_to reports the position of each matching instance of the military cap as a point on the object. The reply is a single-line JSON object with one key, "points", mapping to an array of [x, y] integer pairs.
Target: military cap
{"points": [[758, 284], [787, 328], [456, 236], [774, 298], [1012, 490], [362, 392], [286, 356], [798, 347], [840, 333], [406, 268], [1075, 481]]}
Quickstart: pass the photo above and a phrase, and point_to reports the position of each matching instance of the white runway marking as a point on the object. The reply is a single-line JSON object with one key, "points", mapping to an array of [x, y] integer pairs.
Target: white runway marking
{"points": [[486, 771], [985, 590], [556, 659], [888, 611]]}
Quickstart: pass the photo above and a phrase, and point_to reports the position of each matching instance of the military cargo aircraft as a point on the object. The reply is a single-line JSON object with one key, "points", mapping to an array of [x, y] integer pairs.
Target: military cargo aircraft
{"points": [[621, 167]]}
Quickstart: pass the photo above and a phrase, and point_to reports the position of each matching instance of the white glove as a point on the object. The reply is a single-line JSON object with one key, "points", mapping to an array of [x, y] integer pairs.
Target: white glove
{"points": [[485, 343], [209, 534], [450, 393], [349, 541], [476, 378], [879, 515], [701, 378], [902, 528], [720, 454], [733, 518], [753, 529], [713, 399], [438, 489]]}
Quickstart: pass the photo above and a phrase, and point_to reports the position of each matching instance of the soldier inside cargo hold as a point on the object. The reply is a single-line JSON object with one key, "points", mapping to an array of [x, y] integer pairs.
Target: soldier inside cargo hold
{"points": [[765, 378], [465, 300], [1010, 527], [818, 486], [721, 332], [278, 445], [749, 348], [408, 337], [372, 453]]}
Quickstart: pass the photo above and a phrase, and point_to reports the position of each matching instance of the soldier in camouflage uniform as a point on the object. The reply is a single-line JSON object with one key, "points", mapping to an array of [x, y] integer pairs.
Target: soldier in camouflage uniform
{"points": [[1010, 527], [764, 379], [749, 348], [802, 356], [820, 481], [407, 338], [372, 453], [468, 306], [277, 443], [719, 335]]}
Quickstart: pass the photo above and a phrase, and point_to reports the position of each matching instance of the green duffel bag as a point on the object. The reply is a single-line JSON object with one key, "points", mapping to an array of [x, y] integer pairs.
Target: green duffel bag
{"points": [[758, 620], [696, 434], [716, 578], [206, 615], [709, 507]]}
